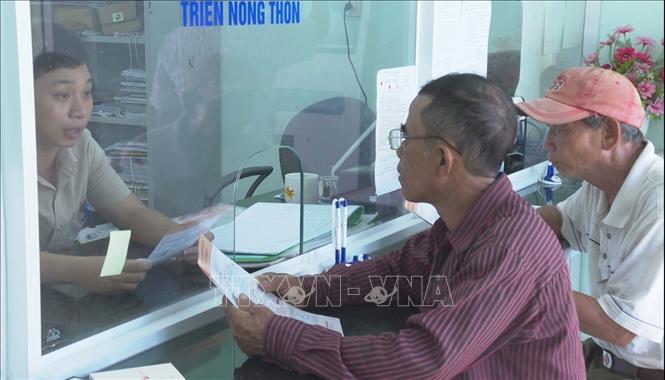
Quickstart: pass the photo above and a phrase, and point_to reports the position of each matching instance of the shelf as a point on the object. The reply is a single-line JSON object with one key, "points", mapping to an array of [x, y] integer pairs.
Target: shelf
{"points": [[118, 120], [138, 39]]}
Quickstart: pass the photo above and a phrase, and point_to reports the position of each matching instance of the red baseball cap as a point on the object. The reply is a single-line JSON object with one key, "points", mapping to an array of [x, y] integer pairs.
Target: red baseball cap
{"points": [[580, 92]]}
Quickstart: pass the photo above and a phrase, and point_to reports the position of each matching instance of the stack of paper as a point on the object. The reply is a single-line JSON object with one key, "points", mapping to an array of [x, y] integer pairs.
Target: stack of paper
{"points": [[132, 93], [130, 160], [278, 227]]}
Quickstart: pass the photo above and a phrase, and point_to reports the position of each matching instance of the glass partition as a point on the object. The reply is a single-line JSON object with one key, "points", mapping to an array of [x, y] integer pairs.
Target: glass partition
{"points": [[530, 42], [182, 92], [181, 95]]}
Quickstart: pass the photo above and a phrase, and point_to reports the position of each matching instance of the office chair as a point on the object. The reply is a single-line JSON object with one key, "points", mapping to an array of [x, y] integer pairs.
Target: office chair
{"points": [[262, 172], [322, 132]]}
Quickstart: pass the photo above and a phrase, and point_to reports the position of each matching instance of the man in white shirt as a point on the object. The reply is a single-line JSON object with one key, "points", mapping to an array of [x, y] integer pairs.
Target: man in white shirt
{"points": [[594, 116]]}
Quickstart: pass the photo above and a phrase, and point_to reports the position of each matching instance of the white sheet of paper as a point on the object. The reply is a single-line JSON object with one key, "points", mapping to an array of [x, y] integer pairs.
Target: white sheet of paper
{"points": [[90, 234], [116, 253], [460, 37], [232, 280], [158, 371], [174, 243], [395, 89], [424, 210]]}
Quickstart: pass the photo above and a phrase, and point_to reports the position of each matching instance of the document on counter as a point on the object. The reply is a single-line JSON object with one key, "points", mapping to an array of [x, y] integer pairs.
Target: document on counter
{"points": [[90, 234], [158, 371], [174, 243], [232, 280], [278, 224]]}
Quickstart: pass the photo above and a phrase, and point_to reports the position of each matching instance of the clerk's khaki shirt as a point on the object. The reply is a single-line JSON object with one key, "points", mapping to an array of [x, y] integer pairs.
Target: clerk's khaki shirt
{"points": [[83, 172]]}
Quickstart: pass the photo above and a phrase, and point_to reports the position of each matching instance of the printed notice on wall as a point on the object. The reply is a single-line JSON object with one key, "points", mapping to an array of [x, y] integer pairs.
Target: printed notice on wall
{"points": [[460, 37], [395, 89]]}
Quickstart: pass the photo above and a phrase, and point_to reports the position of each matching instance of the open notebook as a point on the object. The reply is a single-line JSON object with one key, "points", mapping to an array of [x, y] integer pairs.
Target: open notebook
{"points": [[266, 230]]}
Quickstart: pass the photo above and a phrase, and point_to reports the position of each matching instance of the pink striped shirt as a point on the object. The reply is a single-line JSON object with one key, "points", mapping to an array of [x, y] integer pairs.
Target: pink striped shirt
{"points": [[512, 314]]}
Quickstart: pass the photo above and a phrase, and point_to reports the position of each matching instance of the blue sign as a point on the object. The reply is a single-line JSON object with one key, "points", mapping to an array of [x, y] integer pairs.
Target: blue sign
{"points": [[216, 13]]}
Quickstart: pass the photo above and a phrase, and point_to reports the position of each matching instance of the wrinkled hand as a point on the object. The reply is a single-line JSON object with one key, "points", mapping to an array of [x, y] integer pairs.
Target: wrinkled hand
{"points": [[281, 284], [247, 323], [87, 275]]}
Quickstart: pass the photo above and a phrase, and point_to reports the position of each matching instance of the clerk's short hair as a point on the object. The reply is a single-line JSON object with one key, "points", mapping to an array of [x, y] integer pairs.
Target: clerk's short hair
{"points": [[47, 62], [475, 115]]}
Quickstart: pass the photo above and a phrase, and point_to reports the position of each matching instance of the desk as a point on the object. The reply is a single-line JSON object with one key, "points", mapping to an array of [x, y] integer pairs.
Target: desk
{"points": [[210, 352], [78, 317]]}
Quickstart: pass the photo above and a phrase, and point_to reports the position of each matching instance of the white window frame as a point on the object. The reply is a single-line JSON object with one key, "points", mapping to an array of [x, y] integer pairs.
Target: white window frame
{"points": [[19, 176]]}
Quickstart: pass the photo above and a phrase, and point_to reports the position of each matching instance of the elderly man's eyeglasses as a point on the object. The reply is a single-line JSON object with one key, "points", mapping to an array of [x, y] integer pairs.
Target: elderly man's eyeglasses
{"points": [[396, 138]]}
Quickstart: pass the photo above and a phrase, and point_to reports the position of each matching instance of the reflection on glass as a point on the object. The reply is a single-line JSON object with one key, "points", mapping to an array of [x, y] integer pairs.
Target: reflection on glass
{"points": [[176, 109]]}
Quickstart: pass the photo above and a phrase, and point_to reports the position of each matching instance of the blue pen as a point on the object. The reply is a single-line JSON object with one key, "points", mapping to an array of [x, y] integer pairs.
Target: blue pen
{"points": [[334, 207], [549, 172], [344, 216], [366, 257], [549, 195], [87, 209]]}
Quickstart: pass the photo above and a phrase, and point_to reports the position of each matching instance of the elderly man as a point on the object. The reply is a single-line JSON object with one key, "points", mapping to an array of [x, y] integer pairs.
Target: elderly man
{"points": [[512, 314], [594, 117]]}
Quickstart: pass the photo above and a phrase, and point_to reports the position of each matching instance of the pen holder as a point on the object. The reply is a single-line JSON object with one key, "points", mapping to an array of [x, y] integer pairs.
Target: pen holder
{"points": [[327, 187]]}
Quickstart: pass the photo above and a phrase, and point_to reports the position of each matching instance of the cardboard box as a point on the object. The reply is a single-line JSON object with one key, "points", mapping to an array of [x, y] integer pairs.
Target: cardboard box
{"points": [[75, 17], [119, 17]]}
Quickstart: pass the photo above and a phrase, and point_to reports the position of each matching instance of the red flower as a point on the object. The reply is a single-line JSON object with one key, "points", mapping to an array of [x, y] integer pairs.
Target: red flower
{"points": [[624, 54], [643, 57], [645, 41], [623, 29], [634, 60]]}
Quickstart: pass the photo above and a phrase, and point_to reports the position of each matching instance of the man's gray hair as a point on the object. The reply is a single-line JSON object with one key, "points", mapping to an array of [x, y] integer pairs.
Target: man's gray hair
{"points": [[629, 133], [474, 114]]}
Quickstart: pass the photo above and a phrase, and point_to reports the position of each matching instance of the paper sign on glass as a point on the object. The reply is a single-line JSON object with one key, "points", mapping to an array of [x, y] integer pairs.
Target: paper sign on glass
{"points": [[395, 89]]}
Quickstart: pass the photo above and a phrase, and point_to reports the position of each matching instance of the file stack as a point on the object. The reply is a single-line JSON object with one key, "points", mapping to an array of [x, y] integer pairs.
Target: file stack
{"points": [[131, 96], [130, 161]]}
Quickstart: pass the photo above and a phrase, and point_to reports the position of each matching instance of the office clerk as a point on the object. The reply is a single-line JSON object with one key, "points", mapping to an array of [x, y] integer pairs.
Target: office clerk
{"points": [[72, 168]]}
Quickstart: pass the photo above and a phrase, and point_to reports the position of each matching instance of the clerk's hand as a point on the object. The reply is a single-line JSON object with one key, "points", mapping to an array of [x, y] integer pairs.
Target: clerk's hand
{"points": [[247, 322], [286, 286], [87, 275], [191, 253]]}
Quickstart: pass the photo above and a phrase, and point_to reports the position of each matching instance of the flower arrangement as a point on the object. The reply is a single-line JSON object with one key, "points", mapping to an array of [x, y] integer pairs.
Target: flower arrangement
{"points": [[636, 63]]}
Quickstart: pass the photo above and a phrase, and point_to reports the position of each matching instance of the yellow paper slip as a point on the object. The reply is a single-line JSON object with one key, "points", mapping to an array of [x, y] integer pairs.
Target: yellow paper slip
{"points": [[116, 253]]}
